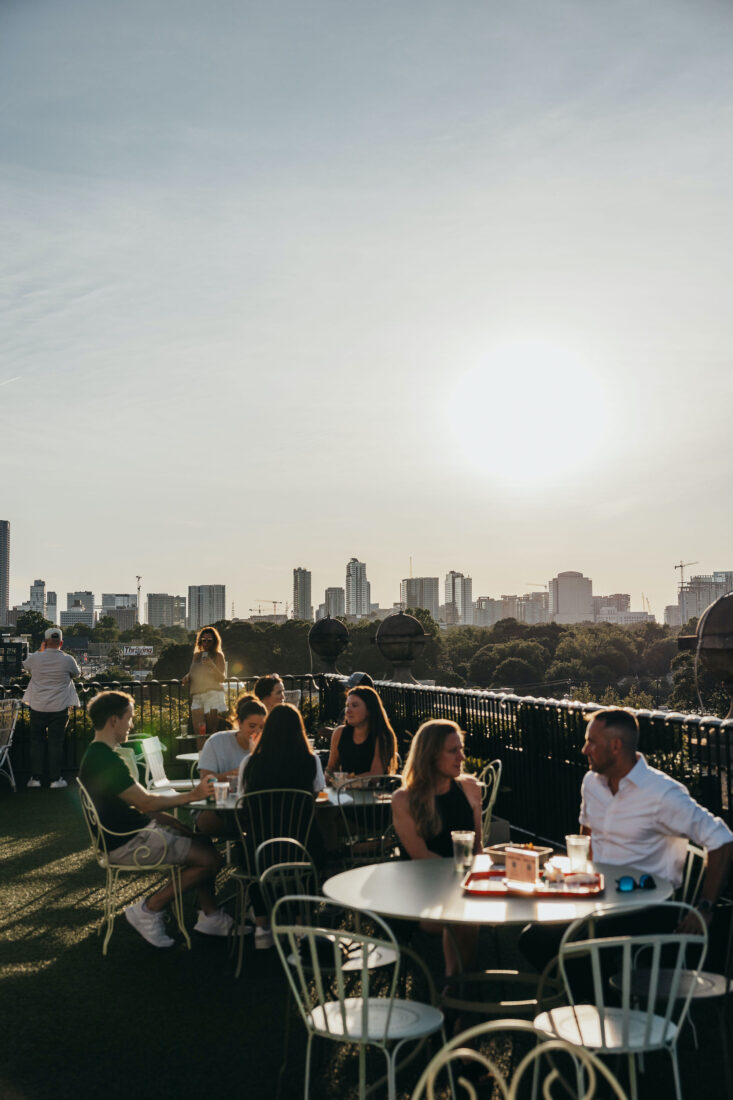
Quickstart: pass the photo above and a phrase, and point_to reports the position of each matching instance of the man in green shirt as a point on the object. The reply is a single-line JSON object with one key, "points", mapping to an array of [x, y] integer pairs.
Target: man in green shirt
{"points": [[153, 835]]}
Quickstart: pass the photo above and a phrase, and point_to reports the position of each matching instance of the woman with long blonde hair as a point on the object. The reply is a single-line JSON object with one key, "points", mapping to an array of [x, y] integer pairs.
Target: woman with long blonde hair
{"points": [[435, 798]]}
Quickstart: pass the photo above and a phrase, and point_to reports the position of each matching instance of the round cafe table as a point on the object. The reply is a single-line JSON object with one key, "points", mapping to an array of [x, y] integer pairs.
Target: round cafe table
{"points": [[430, 889]]}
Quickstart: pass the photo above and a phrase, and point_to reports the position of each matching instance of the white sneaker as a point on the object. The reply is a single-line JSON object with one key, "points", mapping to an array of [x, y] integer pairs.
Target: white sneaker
{"points": [[151, 926], [58, 784], [214, 924], [263, 938], [33, 782]]}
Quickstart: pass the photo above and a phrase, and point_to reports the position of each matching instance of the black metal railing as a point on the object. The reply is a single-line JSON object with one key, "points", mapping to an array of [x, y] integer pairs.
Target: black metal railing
{"points": [[538, 740]]}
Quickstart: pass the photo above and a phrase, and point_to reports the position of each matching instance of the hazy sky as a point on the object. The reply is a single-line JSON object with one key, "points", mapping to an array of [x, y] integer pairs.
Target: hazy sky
{"points": [[284, 283]]}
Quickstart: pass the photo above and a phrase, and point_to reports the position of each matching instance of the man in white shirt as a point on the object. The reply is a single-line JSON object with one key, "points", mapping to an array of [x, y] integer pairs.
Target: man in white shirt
{"points": [[637, 816], [49, 695], [640, 816]]}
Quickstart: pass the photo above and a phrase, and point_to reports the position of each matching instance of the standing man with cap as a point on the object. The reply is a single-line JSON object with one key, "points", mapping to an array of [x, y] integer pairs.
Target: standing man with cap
{"points": [[49, 696]]}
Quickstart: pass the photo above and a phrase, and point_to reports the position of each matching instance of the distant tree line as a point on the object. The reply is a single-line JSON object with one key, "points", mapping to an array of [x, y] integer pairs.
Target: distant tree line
{"points": [[639, 666]]}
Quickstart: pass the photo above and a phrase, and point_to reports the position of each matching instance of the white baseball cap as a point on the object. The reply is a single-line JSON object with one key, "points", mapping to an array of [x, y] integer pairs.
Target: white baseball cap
{"points": [[53, 632]]}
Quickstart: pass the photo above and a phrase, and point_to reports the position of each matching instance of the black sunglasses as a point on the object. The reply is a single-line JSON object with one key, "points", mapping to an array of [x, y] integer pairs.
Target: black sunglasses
{"points": [[626, 884]]}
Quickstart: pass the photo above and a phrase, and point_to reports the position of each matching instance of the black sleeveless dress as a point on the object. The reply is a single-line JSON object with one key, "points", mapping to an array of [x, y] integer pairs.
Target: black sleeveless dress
{"points": [[455, 813], [355, 758]]}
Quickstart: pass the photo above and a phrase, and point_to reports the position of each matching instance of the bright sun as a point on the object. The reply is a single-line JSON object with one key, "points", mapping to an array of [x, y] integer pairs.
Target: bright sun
{"points": [[531, 412]]}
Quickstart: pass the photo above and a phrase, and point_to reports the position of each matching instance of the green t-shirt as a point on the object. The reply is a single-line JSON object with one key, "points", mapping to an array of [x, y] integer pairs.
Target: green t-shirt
{"points": [[105, 776]]}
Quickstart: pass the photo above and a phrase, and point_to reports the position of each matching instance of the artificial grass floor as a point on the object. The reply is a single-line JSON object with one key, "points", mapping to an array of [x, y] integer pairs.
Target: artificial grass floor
{"points": [[142, 1022]]}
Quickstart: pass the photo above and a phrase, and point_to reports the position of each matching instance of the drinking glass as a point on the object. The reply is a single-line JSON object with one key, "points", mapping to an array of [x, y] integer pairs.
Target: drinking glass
{"points": [[578, 848], [463, 842], [221, 790]]}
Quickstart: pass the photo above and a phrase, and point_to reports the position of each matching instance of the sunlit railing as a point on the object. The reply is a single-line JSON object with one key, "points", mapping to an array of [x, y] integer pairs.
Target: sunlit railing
{"points": [[538, 740]]}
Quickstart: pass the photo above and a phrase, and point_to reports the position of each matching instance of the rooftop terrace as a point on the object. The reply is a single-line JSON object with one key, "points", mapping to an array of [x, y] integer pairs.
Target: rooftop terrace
{"points": [[150, 1023]]}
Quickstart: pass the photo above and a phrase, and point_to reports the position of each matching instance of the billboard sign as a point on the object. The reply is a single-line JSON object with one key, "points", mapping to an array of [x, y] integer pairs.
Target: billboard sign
{"points": [[137, 651]]}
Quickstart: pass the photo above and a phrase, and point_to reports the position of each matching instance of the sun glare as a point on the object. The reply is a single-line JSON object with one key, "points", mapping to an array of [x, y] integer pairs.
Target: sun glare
{"points": [[530, 412]]}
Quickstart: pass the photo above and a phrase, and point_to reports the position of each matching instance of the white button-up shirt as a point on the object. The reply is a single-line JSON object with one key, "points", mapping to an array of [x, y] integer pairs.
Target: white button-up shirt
{"points": [[648, 822]]}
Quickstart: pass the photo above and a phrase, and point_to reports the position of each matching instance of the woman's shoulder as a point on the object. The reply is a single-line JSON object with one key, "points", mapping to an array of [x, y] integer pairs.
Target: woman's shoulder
{"points": [[335, 736], [400, 796]]}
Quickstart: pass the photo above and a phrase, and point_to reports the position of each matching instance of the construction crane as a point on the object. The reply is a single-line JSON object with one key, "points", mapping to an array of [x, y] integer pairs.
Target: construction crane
{"points": [[682, 566], [275, 605], [137, 610], [534, 584]]}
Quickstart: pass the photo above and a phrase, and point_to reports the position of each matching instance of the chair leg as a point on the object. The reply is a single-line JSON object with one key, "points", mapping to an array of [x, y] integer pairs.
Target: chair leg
{"points": [[239, 919], [178, 904], [676, 1072], [391, 1073], [308, 1065], [109, 907], [633, 1090]]}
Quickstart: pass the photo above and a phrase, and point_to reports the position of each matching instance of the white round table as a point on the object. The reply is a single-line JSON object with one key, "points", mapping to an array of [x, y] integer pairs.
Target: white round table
{"points": [[430, 889]]}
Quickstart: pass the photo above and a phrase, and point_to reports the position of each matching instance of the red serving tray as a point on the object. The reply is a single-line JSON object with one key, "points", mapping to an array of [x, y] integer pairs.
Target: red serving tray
{"points": [[483, 884]]}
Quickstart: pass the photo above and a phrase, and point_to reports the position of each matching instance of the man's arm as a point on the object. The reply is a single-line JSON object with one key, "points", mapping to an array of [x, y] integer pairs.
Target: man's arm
{"points": [[715, 876], [152, 802]]}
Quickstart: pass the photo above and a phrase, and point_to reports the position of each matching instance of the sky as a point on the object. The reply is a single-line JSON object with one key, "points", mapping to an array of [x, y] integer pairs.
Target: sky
{"points": [[283, 284]]}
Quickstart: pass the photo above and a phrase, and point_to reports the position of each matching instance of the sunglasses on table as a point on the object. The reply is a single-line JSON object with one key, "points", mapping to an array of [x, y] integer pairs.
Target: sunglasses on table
{"points": [[626, 884]]}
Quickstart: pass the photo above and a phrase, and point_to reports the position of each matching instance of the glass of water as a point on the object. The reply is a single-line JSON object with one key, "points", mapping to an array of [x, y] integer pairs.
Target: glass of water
{"points": [[463, 842]]}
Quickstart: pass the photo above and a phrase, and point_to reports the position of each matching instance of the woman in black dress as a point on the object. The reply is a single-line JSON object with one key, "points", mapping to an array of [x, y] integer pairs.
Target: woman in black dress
{"points": [[366, 743], [435, 798]]}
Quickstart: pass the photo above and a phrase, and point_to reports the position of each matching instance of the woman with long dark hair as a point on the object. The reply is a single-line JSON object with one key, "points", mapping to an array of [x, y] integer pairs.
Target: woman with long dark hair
{"points": [[435, 798], [281, 756], [270, 690], [206, 676], [365, 744]]}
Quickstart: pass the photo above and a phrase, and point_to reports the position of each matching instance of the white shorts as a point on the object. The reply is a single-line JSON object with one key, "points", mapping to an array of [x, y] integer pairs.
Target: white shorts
{"points": [[210, 700], [153, 845]]}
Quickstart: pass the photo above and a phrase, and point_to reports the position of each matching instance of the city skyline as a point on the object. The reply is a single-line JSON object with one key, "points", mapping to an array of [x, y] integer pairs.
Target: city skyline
{"points": [[98, 600], [443, 282]]}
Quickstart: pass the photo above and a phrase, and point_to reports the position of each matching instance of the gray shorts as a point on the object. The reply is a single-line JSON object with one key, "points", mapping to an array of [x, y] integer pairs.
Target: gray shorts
{"points": [[210, 700], [151, 846]]}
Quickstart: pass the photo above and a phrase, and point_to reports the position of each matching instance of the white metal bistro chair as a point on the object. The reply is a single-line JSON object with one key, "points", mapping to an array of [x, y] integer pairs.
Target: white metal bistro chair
{"points": [[98, 837], [490, 779], [366, 816], [639, 1024], [336, 1003], [155, 777], [127, 754], [9, 711], [564, 1069]]}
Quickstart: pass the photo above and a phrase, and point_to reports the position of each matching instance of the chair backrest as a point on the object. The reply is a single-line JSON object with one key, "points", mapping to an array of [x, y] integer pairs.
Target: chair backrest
{"points": [[671, 960], [93, 824], [279, 814], [9, 710], [127, 754], [564, 1069], [696, 862], [152, 751], [294, 876], [316, 959], [366, 812], [490, 779]]}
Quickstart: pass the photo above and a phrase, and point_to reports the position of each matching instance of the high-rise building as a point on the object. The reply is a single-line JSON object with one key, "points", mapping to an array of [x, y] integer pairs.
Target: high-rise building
{"points": [[77, 613], [206, 605], [38, 597], [571, 598], [86, 599], [487, 611], [619, 601], [358, 590], [458, 599], [697, 593], [4, 569], [52, 611], [302, 607], [165, 610], [124, 617], [421, 592], [672, 616], [112, 600], [335, 603]]}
